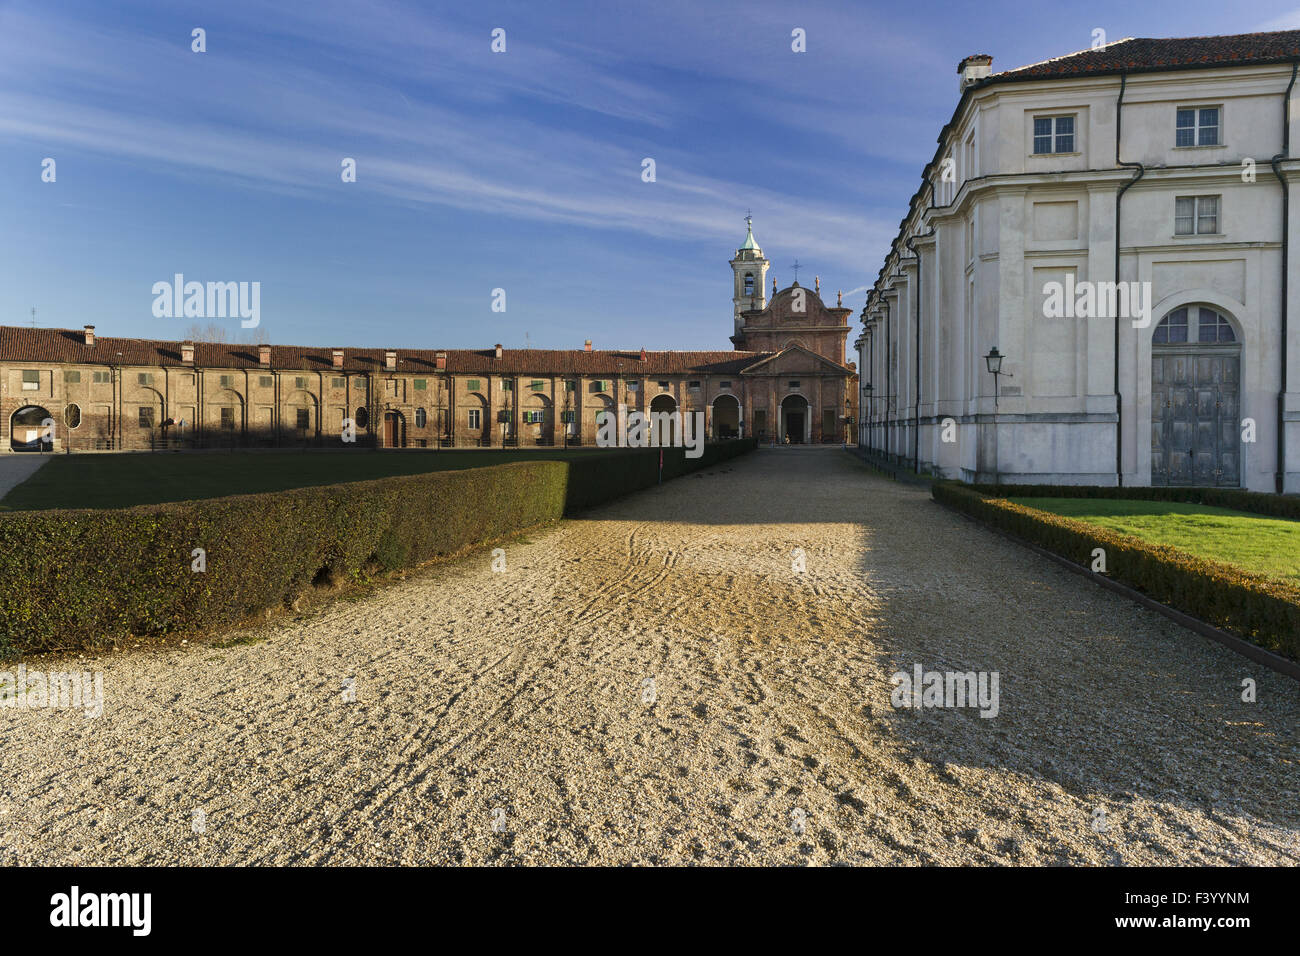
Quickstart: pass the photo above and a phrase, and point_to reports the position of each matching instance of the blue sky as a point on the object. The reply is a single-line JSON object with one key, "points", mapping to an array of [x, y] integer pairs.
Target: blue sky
{"points": [[477, 170]]}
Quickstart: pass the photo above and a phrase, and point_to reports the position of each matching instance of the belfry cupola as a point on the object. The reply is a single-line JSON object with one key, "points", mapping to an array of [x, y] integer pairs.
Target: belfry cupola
{"points": [[749, 273]]}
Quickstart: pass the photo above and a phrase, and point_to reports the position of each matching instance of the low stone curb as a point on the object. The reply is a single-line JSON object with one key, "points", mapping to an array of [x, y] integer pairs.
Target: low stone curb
{"points": [[1260, 655]]}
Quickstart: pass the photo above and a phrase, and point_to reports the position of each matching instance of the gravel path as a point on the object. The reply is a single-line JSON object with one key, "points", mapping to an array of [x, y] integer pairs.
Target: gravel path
{"points": [[519, 702], [17, 468]]}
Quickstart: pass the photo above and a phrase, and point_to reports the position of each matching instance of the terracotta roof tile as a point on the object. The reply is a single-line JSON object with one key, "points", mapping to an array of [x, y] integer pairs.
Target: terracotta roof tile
{"points": [[18, 344], [1143, 54]]}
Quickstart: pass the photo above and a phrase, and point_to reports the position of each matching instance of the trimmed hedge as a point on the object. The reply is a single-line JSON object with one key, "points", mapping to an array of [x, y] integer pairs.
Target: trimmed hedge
{"points": [[1274, 506], [92, 578], [1257, 608]]}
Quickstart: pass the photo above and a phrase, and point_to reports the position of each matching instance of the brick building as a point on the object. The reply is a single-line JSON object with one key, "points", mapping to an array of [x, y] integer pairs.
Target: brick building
{"points": [[63, 389]]}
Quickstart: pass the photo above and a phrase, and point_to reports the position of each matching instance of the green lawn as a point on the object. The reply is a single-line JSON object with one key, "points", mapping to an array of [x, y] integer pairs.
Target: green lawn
{"points": [[119, 481], [1252, 542]]}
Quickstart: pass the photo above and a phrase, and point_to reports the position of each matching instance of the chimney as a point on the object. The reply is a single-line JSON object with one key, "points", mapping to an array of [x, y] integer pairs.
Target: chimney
{"points": [[338, 358], [264, 356], [90, 335], [586, 346], [390, 360], [643, 354], [440, 361], [498, 348], [973, 69], [187, 353]]}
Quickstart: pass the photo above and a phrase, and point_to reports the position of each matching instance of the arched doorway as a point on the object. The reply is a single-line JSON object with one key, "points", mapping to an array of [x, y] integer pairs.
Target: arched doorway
{"points": [[1195, 399], [537, 420], [28, 431], [726, 417], [478, 430], [662, 430], [394, 430], [795, 420]]}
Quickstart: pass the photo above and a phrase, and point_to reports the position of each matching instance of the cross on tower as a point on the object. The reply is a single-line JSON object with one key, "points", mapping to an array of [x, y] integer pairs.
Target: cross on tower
{"points": [[749, 218], [796, 270]]}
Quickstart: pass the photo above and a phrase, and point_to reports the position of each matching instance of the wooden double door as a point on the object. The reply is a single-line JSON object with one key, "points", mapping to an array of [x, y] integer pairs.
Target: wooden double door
{"points": [[1196, 417]]}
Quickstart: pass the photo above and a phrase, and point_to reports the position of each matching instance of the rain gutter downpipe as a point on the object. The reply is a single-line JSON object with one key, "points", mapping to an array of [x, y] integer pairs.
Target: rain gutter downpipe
{"points": [[1279, 478], [1119, 399]]}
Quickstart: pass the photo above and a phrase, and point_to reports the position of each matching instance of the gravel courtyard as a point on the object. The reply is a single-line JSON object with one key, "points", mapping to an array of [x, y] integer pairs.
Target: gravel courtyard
{"points": [[656, 683]]}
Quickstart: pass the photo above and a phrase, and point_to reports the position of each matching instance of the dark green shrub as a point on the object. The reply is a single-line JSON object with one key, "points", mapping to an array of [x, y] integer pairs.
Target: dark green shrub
{"points": [[1258, 608], [82, 578]]}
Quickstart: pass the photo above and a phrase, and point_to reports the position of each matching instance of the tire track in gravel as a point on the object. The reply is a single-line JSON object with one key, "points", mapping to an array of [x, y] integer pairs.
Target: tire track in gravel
{"points": [[523, 691]]}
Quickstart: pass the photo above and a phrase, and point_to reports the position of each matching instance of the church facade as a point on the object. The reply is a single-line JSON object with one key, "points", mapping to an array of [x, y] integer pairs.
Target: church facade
{"points": [[1109, 233], [72, 390]]}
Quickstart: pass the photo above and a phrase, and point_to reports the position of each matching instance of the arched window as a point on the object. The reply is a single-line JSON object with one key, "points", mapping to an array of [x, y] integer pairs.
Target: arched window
{"points": [[72, 416], [421, 418], [1172, 328], [1214, 327], [1194, 324], [749, 283]]}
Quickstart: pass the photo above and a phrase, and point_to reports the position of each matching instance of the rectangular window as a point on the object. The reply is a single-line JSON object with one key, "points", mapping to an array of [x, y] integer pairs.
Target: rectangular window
{"points": [[475, 418], [101, 378], [338, 383], [421, 384], [227, 418], [724, 385], [794, 383], [304, 419], [300, 381], [633, 385], [360, 384], [537, 385], [571, 385], [1053, 134], [663, 384], [568, 418], [695, 386], [1196, 215], [31, 380], [473, 385], [602, 385], [225, 380], [507, 385], [71, 377], [533, 418], [1197, 126], [266, 381], [145, 416], [145, 378]]}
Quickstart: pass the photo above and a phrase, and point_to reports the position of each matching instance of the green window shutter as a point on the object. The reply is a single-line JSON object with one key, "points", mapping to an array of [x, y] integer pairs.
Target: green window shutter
{"points": [[473, 385], [421, 384]]}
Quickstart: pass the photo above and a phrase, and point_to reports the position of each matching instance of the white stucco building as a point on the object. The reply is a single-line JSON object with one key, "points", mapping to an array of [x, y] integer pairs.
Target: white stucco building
{"points": [[1165, 163]]}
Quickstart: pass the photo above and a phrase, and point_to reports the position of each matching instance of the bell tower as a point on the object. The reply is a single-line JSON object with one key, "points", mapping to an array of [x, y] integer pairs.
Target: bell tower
{"points": [[749, 270]]}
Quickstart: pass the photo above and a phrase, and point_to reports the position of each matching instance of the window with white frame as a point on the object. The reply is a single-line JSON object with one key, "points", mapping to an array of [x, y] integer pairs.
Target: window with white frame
{"points": [[1053, 134], [31, 380], [1196, 215], [1198, 126], [475, 418]]}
